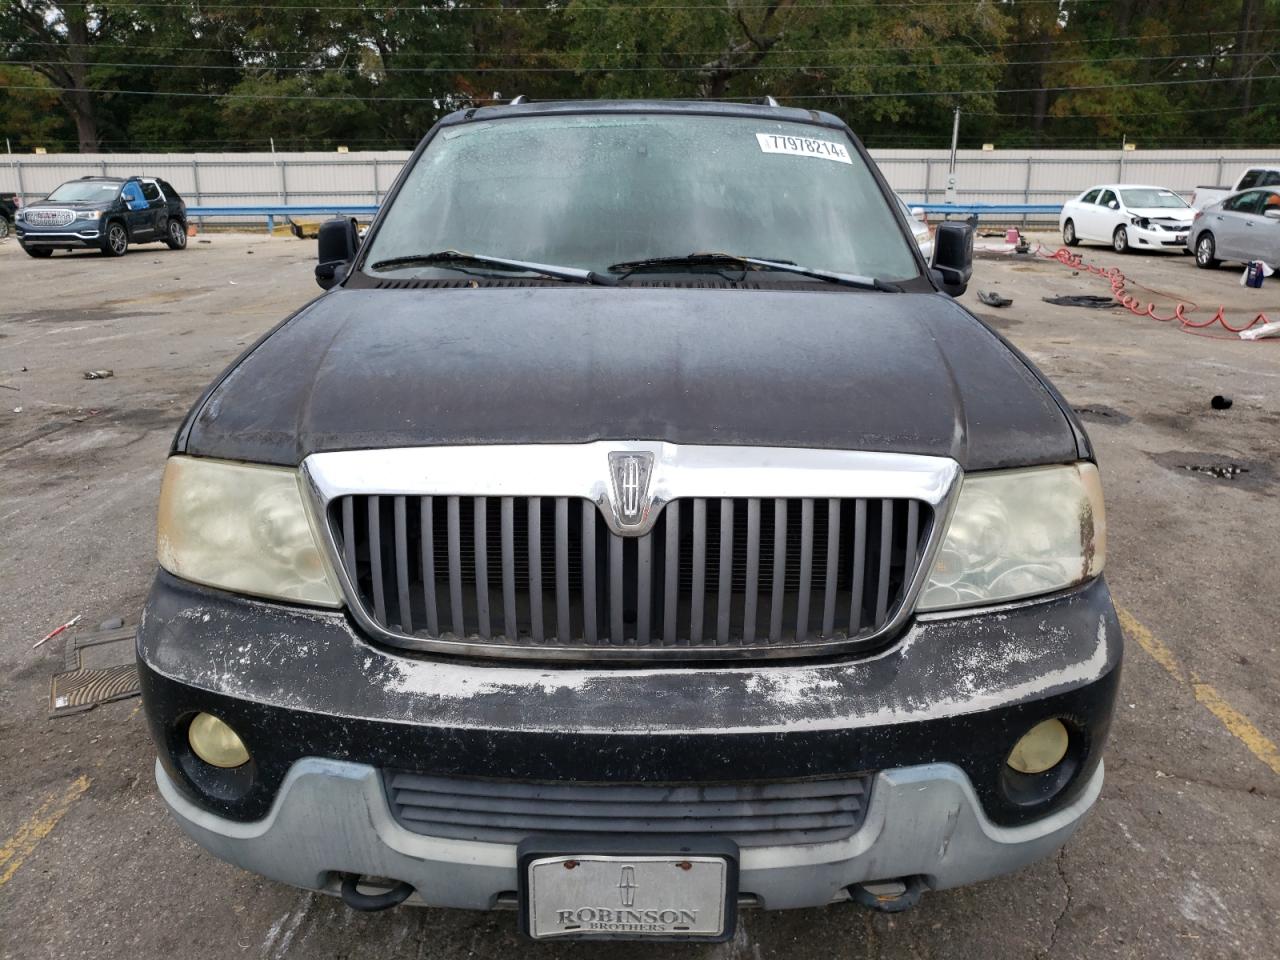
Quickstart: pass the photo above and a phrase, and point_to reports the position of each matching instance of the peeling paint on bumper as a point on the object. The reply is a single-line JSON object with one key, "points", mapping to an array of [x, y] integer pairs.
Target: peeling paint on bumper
{"points": [[299, 683]]}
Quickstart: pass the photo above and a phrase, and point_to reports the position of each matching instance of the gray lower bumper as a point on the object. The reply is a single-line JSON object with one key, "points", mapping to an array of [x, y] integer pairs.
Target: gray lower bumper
{"points": [[332, 816]]}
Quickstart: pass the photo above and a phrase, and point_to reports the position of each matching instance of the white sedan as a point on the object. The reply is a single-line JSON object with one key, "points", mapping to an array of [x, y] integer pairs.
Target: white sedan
{"points": [[919, 229], [1127, 217]]}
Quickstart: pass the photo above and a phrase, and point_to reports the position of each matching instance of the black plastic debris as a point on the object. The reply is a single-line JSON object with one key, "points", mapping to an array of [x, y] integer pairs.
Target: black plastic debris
{"points": [[1219, 402], [993, 299], [1089, 300]]}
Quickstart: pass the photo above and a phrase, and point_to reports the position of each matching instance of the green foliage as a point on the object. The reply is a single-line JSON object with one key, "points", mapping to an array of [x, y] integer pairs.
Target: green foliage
{"points": [[233, 74]]}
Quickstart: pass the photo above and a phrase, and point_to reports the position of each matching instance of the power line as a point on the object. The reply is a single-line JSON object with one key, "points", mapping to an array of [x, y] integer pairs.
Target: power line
{"points": [[874, 95], [733, 8], [1172, 111], [825, 51], [685, 68]]}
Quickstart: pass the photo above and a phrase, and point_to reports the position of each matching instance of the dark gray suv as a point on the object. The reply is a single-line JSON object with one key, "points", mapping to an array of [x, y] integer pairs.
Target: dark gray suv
{"points": [[103, 213]]}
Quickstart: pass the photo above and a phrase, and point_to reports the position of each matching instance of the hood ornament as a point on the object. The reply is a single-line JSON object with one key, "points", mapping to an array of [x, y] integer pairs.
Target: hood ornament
{"points": [[630, 472]]}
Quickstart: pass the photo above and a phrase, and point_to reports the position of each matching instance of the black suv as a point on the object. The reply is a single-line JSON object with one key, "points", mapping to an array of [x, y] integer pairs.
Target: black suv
{"points": [[636, 527], [9, 204], [106, 213]]}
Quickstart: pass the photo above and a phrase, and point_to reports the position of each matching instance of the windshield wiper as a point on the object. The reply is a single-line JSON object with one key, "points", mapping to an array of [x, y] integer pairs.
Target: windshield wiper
{"points": [[628, 267], [456, 258]]}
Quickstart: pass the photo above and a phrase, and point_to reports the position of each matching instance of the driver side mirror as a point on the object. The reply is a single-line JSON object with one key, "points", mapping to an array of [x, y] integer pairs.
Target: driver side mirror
{"points": [[337, 244], [1272, 213], [1114, 205], [953, 256]]}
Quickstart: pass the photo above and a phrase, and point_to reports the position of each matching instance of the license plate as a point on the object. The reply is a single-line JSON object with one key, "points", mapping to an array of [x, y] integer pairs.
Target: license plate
{"points": [[635, 897]]}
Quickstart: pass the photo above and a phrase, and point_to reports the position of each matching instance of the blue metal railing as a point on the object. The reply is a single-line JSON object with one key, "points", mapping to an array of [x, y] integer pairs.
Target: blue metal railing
{"points": [[271, 211], [981, 208]]}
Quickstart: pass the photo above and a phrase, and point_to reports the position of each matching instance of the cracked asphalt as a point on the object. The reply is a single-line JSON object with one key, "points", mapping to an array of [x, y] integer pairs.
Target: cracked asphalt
{"points": [[1180, 857]]}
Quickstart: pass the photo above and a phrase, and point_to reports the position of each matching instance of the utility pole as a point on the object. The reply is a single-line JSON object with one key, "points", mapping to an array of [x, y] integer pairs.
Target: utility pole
{"points": [[951, 170]]}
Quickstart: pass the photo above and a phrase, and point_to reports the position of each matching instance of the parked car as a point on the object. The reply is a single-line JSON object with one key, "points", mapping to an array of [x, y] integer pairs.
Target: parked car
{"points": [[9, 204], [1244, 227], [919, 229], [1205, 197], [104, 213], [1127, 217], [551, 561]]}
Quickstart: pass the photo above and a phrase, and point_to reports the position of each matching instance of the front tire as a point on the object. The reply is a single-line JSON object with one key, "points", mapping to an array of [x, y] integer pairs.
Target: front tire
{"points": [[38, 252], [1120, 240], [116, 242], [4, 228], [176, 235], [1206, 247], [1069, 234]]}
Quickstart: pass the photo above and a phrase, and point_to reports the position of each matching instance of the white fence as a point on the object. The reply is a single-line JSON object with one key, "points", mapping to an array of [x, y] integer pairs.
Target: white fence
{"points": [[998, 176]]}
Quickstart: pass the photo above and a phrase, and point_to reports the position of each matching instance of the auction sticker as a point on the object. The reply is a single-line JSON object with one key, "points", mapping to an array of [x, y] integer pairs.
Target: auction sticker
{"points": [[803, 147]]}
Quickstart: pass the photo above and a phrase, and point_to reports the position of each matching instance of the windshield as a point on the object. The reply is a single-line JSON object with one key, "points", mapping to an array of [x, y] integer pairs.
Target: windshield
{"points": [[1149, 197], [85, 191], [588, 191]]}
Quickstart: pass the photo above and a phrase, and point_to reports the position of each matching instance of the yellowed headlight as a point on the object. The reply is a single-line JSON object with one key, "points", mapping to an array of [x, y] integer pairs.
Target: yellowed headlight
{"points": [[1019, 533], [1041, 748], [241, 527], [216, 743]]}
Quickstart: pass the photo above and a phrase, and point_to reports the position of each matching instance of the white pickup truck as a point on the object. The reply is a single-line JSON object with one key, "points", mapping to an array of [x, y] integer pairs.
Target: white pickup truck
{"points": [[1253, 177]]}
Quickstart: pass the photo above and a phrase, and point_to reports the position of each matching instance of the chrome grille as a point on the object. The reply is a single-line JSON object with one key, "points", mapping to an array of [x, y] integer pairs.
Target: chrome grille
{"points": [[40, 217], [753, 815], [712, 576]]}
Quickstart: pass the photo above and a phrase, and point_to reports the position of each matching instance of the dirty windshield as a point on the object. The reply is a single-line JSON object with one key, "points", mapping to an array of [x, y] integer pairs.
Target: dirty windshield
{"points": [[589, 191]]}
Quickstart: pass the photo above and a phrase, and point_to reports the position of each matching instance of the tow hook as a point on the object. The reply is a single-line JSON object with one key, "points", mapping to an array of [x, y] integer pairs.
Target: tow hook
{"points": [[371, 902], [890, 896]]}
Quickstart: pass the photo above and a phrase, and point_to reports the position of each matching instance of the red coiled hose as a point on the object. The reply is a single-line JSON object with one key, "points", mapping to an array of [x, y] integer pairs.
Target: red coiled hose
{"points": [[1181, 309]]}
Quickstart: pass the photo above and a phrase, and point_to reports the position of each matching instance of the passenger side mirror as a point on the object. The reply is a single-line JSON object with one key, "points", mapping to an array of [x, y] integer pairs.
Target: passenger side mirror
{"points": [[337, 244], [953, 256]]}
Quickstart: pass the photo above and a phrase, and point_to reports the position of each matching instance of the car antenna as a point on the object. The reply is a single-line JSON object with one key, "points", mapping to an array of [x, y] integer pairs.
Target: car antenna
{"points": [[768, 101], [517, 100]]}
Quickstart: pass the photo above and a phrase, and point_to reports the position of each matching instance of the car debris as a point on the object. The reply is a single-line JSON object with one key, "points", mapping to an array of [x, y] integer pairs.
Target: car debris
{"points": [[1261, 333], [57, 630], [1091, 300], [98, 374], [993, 299], [1219, 402]]}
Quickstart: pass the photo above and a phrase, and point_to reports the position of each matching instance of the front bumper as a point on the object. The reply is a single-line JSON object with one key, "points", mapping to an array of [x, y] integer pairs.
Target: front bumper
{"points": [[323, 711], [78, 234], [331, 817], [1155, 239]]}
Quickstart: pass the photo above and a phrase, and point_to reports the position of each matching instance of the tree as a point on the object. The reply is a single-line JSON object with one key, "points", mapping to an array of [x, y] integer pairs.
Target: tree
{"points": [[57, 40]]}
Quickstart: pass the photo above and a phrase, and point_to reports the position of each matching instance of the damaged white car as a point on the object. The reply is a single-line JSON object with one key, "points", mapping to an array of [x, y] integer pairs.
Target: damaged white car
{"points": [[1128, 217]]}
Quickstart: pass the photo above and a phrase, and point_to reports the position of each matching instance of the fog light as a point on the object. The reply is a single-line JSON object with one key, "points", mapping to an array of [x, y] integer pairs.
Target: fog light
{"points": [[216, 743], [1041, 748]]}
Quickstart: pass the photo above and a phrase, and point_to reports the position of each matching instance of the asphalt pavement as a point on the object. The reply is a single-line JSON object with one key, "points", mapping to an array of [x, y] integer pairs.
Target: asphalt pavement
{"points": [[1180, 857]]}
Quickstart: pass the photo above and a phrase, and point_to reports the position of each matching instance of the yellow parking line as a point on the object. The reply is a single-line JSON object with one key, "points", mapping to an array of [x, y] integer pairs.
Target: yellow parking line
{"points": [[39, 825], [1237, 724]]}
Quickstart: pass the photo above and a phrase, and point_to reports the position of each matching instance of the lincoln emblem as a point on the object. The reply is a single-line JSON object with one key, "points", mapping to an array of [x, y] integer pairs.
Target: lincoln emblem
{"points": [[631, 473], [627, 886]]}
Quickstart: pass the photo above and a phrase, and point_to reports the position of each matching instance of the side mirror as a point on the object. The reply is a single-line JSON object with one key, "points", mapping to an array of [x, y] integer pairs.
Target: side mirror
{"points": [[1272, 213], [918, 213], [336, 250], [1114, 205], [953, 256]]}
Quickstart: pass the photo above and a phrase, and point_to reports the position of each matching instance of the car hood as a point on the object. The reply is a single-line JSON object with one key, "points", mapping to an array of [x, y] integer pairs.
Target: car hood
{"points": [[904, 373], [1164, 213], [68, 204]]}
